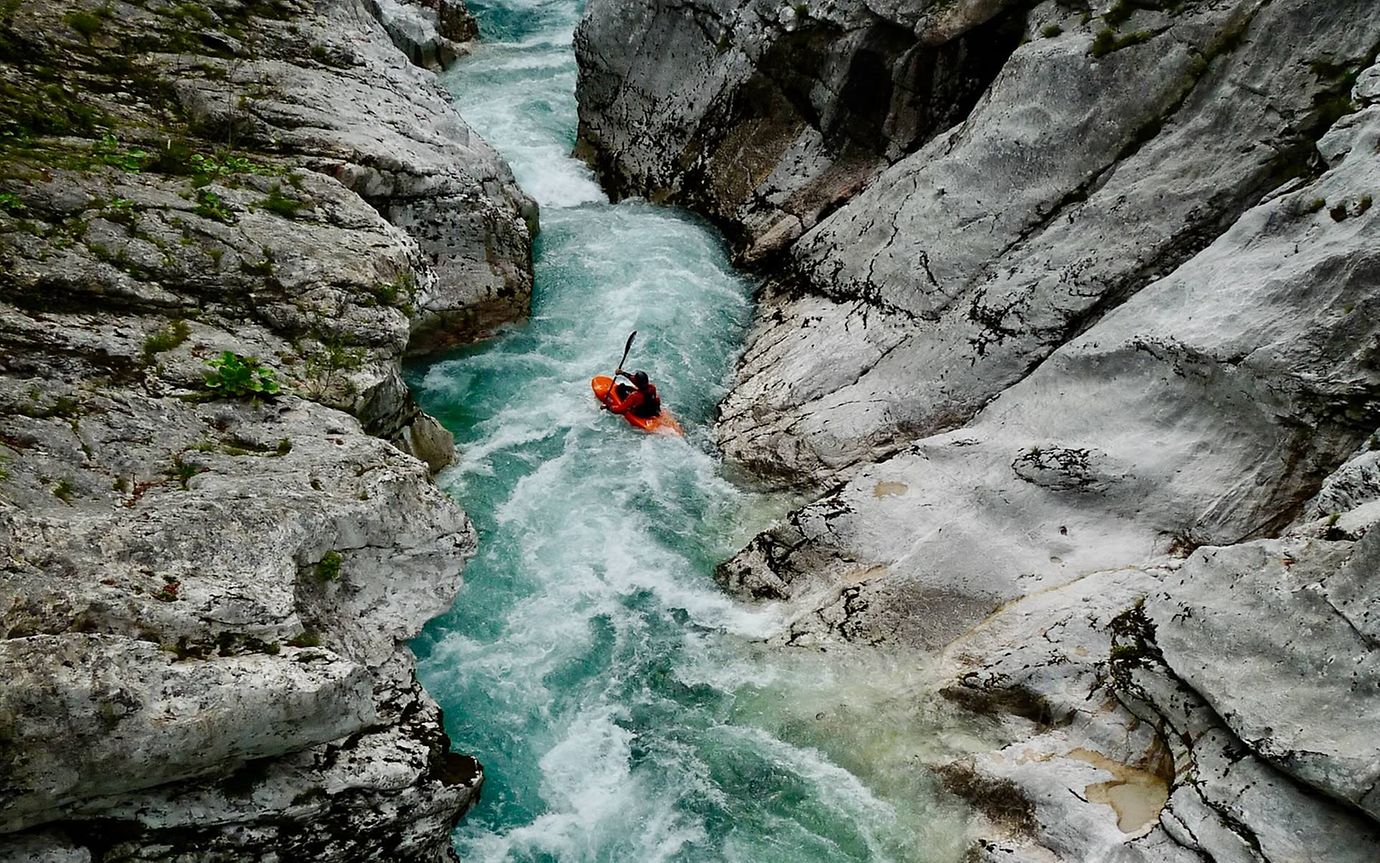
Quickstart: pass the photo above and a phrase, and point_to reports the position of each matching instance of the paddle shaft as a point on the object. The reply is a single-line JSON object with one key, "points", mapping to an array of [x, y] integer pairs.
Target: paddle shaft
{"points": [[627, 348]]}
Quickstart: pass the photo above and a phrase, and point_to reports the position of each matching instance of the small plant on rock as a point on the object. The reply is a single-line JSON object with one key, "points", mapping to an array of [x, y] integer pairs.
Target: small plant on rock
{"points": [[64, 490], [328, 568], [165, 339], [241, 377], [306, 638], [110, 152], [209, 205], [87, 24], [280, 204]]}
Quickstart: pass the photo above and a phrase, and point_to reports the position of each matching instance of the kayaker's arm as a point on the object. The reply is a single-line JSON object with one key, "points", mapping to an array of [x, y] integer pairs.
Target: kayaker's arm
{"points": [[618, 406]]}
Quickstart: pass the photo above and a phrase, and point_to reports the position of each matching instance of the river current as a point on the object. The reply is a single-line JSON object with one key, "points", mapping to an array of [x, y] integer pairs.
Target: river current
{"points": [[624, 708]]}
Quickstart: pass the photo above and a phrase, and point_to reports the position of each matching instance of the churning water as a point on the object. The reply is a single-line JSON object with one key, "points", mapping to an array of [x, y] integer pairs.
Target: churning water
{"points": [[623, 707]]}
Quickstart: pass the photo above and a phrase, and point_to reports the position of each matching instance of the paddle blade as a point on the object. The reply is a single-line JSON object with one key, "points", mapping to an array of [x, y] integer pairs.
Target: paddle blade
{"points": [[627, 348]]}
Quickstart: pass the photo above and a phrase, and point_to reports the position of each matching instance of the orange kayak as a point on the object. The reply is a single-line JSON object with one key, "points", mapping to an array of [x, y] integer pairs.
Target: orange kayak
{"points": [[663, 423]]}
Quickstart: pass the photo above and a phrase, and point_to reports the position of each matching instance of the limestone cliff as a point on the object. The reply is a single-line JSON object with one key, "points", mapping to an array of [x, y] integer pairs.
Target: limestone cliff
{"points": [[222, 225], [1068, 316]]}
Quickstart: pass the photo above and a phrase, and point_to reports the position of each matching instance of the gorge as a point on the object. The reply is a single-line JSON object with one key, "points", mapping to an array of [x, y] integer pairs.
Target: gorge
{"points": [[1031, 396]]}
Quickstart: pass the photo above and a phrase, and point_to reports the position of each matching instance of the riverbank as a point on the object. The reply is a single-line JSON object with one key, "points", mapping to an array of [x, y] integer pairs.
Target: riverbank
{"points": [[1065, 331], [222, 225]]}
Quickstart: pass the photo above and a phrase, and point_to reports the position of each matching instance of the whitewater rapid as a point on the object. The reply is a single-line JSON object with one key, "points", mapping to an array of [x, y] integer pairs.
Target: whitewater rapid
{"points": [[624, 708]]}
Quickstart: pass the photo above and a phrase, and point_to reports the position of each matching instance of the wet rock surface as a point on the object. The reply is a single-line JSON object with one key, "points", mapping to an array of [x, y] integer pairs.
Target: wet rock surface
{"points": [[1081, 374], [222, 226]]}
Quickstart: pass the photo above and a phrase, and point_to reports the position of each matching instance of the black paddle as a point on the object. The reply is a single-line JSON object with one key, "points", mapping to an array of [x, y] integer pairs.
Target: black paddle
{"points": [[626, 349]]}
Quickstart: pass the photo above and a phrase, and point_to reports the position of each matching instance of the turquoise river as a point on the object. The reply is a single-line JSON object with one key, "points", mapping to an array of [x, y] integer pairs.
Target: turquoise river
{"points": [[624, 708]]}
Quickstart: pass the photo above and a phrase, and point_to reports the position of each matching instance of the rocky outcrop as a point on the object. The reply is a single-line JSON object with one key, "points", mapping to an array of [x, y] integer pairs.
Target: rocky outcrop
{"points": [[432, 33], [1192, 710], [213, 554], [1104, 153], [1082, 370], [1202, 411]]}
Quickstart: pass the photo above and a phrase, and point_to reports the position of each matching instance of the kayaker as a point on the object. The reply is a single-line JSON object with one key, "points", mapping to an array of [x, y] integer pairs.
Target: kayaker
{"points": [[640, 402]]}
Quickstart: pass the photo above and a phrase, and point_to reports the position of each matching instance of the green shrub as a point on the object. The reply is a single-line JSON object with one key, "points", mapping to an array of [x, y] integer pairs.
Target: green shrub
{"points": [[1103, 43], [398, 292], [306, 639], [64, 490], [1107, 41], [184, 471], [11, 203], [87, 24], [235, 376], [1118, 13], [1052, 30]]}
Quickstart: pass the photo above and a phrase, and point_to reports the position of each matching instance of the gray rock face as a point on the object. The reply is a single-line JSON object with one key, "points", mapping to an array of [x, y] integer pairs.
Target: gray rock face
{"points": [[1203, 410], [1114, 757], [356, 111], [206, 589], [767, 115], [1079, 176], [432, 33], [1108, 307], [1280, 638]]}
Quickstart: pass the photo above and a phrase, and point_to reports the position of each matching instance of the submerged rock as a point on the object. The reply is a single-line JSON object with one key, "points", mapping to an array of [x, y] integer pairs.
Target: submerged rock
{"points": [[221, 229]]}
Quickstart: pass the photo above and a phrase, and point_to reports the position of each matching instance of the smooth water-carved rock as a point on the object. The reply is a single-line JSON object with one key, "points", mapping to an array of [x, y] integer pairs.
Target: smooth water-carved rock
{"points": [[1282, 639], [356, 111], [1101, 154], [1206, 409]]}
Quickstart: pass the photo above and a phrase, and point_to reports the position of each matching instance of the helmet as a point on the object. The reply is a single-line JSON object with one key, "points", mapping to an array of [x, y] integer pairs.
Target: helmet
{"points": [[641, 380]]}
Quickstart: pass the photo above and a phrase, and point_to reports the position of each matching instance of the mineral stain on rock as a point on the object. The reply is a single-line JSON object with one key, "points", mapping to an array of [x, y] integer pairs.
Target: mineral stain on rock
{"points": [[1136, 794], [889, 489]]}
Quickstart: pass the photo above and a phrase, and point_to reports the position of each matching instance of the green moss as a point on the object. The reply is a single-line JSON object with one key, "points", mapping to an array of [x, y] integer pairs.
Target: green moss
{"points": [[306, 638], [328, 568], [282, 205], [1050, 31]]}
